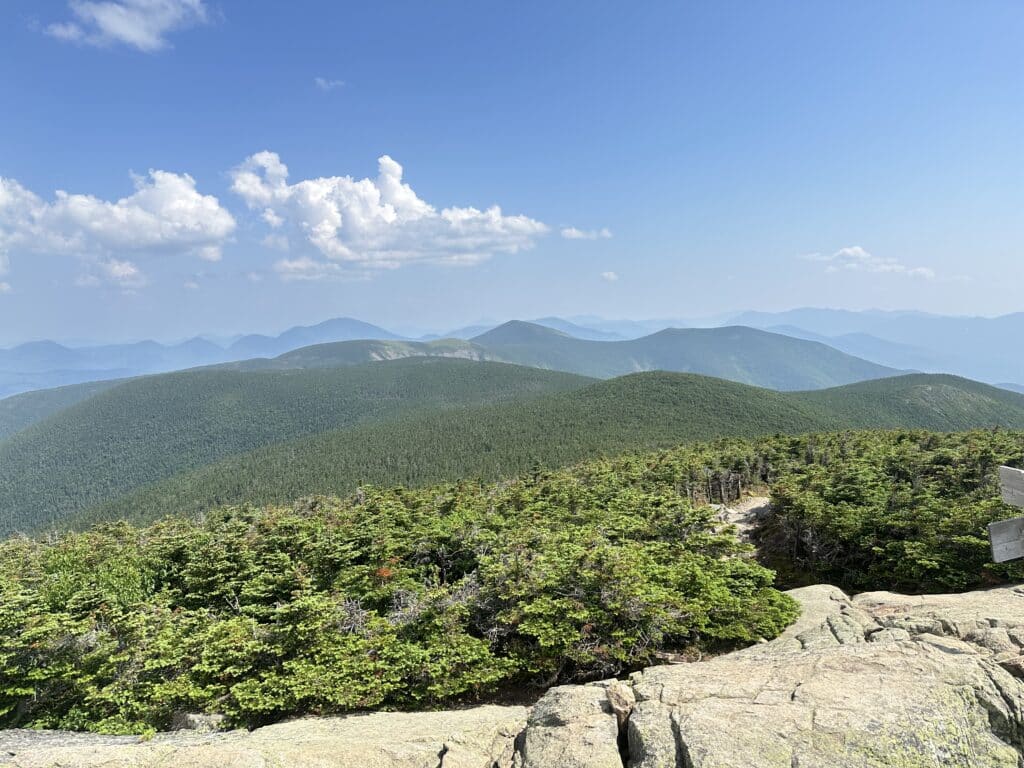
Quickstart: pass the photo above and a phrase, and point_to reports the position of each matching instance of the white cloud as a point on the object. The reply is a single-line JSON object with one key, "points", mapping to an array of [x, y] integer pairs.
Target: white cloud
{"points": [[191, 285], [856, 259], [5, 287], [610, 277], [121, 273], [305, 268], [165, 215], [571, 233], [326, 84], [372, 224], [141, 24]]}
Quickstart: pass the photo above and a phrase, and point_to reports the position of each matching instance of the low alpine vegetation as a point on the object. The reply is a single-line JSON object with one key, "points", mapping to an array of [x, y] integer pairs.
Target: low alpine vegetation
{"points": [[393, 598], [420, 597]]}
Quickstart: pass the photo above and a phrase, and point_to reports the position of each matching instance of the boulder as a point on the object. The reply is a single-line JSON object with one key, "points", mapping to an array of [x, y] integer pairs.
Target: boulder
{"points": [[576, 726]]}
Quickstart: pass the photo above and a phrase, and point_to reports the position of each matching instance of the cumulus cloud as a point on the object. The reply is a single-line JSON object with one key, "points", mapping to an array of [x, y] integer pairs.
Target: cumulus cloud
{"points": [[141, 24], [326, 84], [857, 259], [366, 225], [610, 277], [571, 233], [165, 215]]}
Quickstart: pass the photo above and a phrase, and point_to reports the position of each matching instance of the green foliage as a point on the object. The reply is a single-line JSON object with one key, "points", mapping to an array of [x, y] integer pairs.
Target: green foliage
{"points": [[408, 597], [393, 598], [894, 510]]}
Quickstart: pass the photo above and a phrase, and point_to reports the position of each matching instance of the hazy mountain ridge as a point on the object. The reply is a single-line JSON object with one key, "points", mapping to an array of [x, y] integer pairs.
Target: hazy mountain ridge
{"points": [[976, 347], [901, 340], [47, 364], [737, 354]]}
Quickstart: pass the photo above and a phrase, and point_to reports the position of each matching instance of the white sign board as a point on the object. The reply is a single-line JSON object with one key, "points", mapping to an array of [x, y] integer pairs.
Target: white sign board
{"points": [[1011, 482], [1006, 537]]}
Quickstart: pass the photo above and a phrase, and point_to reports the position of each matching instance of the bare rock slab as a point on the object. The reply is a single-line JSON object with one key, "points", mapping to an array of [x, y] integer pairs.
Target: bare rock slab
{"points": [[843, 687], [481, 737]]}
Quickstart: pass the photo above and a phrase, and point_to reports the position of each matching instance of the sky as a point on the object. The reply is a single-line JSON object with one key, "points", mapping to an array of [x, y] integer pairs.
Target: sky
{"points": [[174, 167]]}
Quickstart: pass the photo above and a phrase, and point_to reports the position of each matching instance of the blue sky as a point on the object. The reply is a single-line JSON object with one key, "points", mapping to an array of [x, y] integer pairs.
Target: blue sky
{"points": [[708, 157]]}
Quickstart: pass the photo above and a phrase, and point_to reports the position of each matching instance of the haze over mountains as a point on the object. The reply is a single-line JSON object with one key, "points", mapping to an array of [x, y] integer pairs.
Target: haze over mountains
{"points": [[978, 347], [974, 347]]}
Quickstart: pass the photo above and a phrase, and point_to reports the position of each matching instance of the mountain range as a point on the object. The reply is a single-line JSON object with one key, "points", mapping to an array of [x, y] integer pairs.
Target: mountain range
{"points": [[330, 415], [974, 347], [977, 347]]}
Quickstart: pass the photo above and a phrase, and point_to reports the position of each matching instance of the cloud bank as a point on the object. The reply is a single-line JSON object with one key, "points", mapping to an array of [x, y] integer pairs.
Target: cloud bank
{"points": [[166, 215], [140, 24], [365, 225]]}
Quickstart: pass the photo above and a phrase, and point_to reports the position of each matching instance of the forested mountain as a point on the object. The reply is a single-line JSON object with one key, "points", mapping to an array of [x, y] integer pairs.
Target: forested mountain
{"points": [[735, 353], [150, 428], [636, 412], [738, 354], [360, 352], [20, 411], [929, 401]]}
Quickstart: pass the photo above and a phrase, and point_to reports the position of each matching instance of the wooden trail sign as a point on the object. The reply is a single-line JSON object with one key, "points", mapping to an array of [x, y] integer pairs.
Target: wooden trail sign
{"points": [[1006, 537]]}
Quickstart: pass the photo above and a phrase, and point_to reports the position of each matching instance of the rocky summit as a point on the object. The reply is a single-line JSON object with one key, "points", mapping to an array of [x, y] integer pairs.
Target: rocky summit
{"points": [[879, 679]]}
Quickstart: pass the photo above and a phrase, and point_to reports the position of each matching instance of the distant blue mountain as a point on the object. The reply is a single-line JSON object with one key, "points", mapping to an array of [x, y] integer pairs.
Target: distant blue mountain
{"points": [[45, 364], [982, 348]]}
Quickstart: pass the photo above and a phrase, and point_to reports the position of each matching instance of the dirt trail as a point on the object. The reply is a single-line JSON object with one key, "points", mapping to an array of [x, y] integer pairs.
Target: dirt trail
{"points": [[744, 514]]}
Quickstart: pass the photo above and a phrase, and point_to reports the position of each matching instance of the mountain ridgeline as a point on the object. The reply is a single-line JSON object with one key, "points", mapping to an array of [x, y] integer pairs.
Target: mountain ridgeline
{"points": [[744, 355], [192, 440], [735, 353]]}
